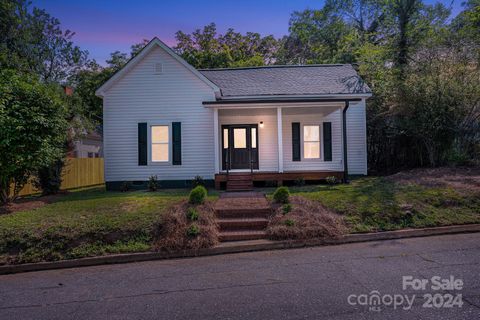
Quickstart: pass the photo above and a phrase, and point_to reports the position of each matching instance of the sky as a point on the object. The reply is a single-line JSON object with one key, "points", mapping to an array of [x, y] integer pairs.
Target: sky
{"points": [[104, 26]]}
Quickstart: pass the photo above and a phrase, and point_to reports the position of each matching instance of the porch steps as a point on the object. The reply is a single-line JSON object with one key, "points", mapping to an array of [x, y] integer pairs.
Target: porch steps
{"points": [[239, 182], [242, 216]]}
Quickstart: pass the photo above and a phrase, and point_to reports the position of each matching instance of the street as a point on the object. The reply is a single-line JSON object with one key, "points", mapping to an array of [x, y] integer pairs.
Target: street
{"points": [[310, 283]]}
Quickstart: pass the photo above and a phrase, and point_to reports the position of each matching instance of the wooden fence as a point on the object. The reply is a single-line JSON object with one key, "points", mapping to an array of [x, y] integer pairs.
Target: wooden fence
{"points": [[78, 172]]}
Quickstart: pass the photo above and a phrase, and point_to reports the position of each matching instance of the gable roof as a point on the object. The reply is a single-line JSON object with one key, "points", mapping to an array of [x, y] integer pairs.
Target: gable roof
{"points": [[335, 79], [155, 42]]}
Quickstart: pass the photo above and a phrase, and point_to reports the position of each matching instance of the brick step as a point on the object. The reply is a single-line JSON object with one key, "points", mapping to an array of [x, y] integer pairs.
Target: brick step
{"points": [[239, 213], [242, 224], [242, 235]]}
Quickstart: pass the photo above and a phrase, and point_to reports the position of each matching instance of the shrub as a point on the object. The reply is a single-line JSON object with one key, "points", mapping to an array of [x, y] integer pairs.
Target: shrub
{"points": [[289, 223], [125, 186], [197, 195], [153, 183], [49, 178], [286, 208], [198, 181], [193, 230], [300, 182], [192, 214], [331, 180], [281, 195]]}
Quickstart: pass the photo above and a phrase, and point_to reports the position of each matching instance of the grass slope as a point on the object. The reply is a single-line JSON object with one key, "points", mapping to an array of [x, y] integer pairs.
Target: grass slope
{"points": [[378, 204], [84, 223]]}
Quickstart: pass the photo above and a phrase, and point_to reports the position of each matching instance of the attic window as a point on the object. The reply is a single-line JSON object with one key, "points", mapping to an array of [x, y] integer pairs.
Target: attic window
{"points": [[158, 68]]}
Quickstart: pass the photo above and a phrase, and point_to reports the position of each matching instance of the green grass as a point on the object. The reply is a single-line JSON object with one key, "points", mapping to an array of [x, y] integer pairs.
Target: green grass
{"points": [[376, 204], [84, 223]]}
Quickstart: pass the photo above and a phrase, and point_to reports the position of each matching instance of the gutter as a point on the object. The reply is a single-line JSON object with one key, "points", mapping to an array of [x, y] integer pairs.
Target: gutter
{"points": [[278, 100], [345, 149]]}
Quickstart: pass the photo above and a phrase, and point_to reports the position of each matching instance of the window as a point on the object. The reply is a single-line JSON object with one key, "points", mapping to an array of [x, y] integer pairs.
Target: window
{"points": [[311, 142], [160, 143], [239, 138]]}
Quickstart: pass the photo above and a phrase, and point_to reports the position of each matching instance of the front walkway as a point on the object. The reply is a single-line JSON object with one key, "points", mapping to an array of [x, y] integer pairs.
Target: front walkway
{"points": [[310, 283], [242, 215]]}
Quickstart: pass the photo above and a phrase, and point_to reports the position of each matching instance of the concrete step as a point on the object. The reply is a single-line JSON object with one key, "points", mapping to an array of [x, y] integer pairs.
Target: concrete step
{"points": [[242, 235], [242, 224], [239, 213]]}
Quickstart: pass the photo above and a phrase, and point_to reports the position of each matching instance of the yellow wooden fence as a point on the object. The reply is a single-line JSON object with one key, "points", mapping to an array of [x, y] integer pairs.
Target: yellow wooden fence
{"points": [[78, 172]]}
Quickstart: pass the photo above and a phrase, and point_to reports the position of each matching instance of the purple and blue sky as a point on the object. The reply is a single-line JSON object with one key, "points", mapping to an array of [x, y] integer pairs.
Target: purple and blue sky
{"points": [[103, 26]]}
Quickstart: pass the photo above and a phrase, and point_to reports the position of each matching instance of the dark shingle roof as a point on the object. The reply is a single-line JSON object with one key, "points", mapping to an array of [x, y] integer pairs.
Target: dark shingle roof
{"points": [[287, 80]]}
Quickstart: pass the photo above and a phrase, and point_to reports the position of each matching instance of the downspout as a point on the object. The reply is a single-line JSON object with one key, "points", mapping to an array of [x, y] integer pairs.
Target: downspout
{"points": [[345, 159]]}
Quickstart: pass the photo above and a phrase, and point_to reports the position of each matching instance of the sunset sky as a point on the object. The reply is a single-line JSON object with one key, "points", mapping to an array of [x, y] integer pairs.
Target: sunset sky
{"points": [[103, 26]]}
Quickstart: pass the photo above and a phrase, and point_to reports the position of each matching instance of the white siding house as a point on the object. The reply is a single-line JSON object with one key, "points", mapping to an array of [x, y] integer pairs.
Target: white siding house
{"points": [[162, 117]]}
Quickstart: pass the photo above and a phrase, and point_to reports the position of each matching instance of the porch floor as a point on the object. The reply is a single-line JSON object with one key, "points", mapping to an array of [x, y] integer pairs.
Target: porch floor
{"points": [[280, 177]]}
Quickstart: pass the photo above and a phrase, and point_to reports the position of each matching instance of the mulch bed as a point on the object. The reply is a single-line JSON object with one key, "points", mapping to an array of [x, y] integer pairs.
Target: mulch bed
{"points": [[170, 234], [306, 220], [30, 203], [459, 178]]}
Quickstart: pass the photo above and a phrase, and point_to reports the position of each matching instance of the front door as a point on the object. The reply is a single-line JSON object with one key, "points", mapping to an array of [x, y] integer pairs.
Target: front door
{"points": [[239, 147]]}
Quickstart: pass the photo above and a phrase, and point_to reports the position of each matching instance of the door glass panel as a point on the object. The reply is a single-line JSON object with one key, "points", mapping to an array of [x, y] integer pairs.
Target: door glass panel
{"points": [[225, 138], [239, 138], [254, 138]]}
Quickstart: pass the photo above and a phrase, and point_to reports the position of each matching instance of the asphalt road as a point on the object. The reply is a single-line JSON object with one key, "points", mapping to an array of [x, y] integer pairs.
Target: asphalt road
{"points": [[311, 283]]}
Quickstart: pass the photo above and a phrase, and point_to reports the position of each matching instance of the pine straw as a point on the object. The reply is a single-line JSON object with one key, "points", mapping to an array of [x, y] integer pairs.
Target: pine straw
{"points": [[311, 221], [171, 234]]}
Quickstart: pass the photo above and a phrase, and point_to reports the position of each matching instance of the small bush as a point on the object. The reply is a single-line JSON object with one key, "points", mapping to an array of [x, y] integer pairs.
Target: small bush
{"points": [[125, 186], [198, 181], [289, 223], [300, 182], [197, 195], [193, 230], [192, 214], [331, 180], [153, 183], [286, 208], [49, 178], [281, 195]]}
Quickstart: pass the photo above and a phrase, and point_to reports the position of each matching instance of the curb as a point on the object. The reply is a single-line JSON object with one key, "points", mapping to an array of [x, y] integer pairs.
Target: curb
{"points": [[237, 247]]}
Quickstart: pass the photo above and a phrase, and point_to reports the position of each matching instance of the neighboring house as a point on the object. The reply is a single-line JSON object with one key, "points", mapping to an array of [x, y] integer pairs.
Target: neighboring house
{"points": [[88, 146], [163, 117]]}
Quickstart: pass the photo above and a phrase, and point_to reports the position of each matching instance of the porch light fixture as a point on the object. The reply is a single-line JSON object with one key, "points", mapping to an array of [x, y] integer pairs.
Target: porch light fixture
{"points": [[261, 124]]}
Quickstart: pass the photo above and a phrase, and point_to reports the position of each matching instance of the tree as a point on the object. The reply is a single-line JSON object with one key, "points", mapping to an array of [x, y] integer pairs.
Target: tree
{"points": [[204, 48], [33, 132], [32, 41]]}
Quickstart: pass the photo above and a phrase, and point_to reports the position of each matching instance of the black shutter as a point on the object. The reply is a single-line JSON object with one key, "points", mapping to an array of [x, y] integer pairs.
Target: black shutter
{"points": [[142, 144], [327, 141], [177, 143], [295, 141]]}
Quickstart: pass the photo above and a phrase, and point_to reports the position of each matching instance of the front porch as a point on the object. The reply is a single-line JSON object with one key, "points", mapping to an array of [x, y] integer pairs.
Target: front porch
{"points": [[279, 142]]}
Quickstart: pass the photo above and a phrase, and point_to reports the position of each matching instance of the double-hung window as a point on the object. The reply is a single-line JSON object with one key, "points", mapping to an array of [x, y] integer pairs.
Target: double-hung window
{"points": [[311, 142], [160, 143]]}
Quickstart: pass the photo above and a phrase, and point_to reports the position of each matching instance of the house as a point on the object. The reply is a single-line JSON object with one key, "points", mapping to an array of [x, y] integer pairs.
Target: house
{"points": [[90, 145], [277, 123]]}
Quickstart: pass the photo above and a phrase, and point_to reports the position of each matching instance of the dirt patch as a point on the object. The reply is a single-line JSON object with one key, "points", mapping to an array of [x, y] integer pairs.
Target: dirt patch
{"points": [[461, 178], [175, 231], [31, 203], [306, 220]]}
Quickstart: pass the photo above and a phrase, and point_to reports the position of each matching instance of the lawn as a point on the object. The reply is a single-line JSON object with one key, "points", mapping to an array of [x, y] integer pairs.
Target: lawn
{"points": [[84, 223], [379, 203]]}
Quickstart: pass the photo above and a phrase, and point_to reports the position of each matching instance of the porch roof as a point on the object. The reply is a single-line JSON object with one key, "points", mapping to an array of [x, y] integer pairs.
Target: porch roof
{"points": [[282, 81]]}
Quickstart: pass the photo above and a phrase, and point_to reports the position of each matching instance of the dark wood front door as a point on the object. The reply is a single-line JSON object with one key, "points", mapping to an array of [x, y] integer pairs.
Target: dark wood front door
{"points": [[240, 146]]}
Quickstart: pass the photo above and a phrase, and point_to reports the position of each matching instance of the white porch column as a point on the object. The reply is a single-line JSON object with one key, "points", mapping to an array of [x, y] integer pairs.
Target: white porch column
{"points": [[280, 139], [216, 140]]}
